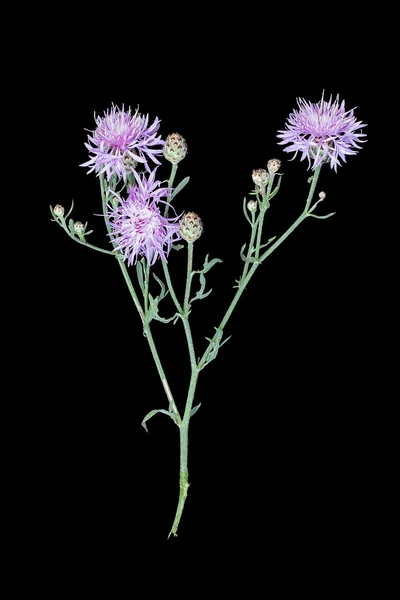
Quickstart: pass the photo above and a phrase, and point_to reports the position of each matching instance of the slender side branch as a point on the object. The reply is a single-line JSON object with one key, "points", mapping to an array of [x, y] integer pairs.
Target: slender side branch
{"points": [[244, 281], [174, 168], [141, 311], [188, 277]]}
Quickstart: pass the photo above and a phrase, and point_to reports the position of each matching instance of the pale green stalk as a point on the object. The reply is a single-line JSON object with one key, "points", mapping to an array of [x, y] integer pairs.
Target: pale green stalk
{"points": [[174, 168], [184, 426], [254, 227], [146, 326], [264, 207]]}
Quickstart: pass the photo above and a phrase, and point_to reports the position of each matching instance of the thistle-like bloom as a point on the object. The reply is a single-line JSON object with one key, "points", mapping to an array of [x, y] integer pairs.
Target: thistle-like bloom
{"points": [[138, 227], [322, 132], [120, 141]]}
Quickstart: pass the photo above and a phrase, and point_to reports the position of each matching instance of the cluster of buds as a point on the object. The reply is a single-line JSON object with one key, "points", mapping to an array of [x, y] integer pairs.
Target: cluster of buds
{"points": [[190, 227], [262, 176], [75, 228], [175, 148]]}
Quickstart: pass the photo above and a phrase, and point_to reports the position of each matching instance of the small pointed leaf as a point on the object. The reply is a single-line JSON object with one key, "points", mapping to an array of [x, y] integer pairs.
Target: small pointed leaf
{"points": [[164, 291], [195, 409], [151, 414], [139, 273], [180, 187]]}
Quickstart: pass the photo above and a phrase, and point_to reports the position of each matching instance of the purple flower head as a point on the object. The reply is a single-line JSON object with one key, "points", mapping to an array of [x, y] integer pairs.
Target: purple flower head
{"points": [[138, 227], [120, 141], [322, 132]]}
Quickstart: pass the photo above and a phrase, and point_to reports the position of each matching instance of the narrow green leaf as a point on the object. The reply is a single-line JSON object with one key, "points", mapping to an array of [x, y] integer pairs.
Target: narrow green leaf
{"points": [[172, 414], [209, 264], [70, 210], [163, 320], [200, 294], [152, 312], [321, 216], [195, 409], [139, 274], [180, 187], [269, 241], [71, 226], [245, 210], [276, 189], [164, 291], [245, 258], [151, 414], [202, 283], [153, 301], [215, 345]]}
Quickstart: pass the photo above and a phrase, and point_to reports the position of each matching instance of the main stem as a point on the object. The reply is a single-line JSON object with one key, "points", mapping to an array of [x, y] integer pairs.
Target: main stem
{"points": [[184, 447], [184, 426]]}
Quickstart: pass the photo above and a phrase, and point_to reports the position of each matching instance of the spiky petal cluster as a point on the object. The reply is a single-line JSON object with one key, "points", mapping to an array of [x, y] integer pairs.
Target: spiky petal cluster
{"points": [[120, 141], [322, 132], [138, 227]]}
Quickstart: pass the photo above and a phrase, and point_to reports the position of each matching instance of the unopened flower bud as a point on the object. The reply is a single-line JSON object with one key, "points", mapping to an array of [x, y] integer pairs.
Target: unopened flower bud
{"points": [[129, 162], [322, 195], [175, 148], [59, 210], [260, 178], [190, 227], [273, 165], [78, 227], [252, 206]]}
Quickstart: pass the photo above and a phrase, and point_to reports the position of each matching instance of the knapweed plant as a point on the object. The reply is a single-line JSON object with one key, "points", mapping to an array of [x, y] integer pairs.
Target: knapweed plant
{"points": [[143, 226]]}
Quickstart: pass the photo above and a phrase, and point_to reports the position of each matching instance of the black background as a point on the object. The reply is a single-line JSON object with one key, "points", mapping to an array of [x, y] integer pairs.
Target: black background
{"points": [[273, 458]]}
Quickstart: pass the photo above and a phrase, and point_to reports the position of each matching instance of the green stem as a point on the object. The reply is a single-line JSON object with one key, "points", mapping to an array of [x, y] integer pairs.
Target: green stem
{"points": [[184, 426], [174, 168], [253, 234], [312, 187], [171, 288], [84, 243], [131, 289], [264, 207], [188, 277], [184, 438], [161, 372], [146, 286]]}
